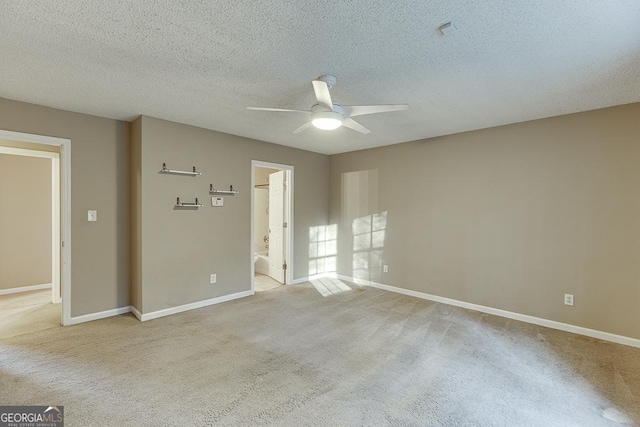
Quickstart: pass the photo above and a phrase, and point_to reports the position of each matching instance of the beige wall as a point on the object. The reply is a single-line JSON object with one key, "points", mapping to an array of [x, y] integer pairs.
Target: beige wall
{"points": [[25, 221], [100, 180], [181, 248], [511, 217]]}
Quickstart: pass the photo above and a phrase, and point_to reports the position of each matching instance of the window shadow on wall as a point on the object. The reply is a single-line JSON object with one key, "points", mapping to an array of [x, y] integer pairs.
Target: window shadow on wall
{"points": [[363, 227], [368, 233]]}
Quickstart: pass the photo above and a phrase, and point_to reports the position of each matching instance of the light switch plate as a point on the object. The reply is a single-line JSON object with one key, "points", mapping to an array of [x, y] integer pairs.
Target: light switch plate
{"points": [[92, 216], [217, 202]]}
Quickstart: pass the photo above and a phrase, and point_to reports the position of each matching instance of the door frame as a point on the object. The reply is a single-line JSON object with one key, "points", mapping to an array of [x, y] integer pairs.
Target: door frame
{"points": [[61, 210], [289, 234]]}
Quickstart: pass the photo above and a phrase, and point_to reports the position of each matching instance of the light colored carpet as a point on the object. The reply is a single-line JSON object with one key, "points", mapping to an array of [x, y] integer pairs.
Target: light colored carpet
{"points": [[28, 312], [292, 357]]}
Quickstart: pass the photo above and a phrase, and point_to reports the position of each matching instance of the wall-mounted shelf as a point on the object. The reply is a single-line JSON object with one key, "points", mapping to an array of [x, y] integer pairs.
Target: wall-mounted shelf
{"points": [[230, 191], [177, 172], [180, 204]]}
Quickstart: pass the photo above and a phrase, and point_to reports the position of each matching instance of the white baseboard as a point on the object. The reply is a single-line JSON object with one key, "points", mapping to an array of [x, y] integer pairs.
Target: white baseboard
{"points": [[156, 314], [199, 304], [25, 289], [99, 315], [136, 313], [606, 336]]}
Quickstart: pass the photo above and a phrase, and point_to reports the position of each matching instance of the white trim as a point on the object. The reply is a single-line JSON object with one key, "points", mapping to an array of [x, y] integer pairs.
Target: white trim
{"points": [[28, 153], [65, 208], [24, 289], [199, 304], [29, 137], [291, 223], [99, 315], [136, 313], [143, 317], [606, 336], [159, 313], [56, 296], [290, 215], [65, 238], [252, 228]]}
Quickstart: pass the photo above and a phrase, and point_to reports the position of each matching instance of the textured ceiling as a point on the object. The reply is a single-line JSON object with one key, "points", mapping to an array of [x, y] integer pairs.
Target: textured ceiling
{"points": [[201, 63]]}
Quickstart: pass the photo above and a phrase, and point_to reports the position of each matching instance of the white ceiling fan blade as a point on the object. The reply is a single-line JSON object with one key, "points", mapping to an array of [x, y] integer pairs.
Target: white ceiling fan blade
{"points": [[352, 124], [277, 109], [322, 94], [303, 127], [361, 110]]}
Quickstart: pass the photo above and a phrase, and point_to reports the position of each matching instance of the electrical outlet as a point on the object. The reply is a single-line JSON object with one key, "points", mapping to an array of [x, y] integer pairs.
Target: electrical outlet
{"points": [[568, 299], [385, 268], [213, 278]]}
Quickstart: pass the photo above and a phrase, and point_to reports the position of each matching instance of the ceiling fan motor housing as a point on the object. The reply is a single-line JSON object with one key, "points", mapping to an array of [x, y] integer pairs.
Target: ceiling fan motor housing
{"points": [[329, 79], [317, 108]]}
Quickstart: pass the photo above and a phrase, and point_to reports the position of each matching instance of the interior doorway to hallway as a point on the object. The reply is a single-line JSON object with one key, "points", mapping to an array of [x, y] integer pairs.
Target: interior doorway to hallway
{"points": [[271, 225], [51, 254]]}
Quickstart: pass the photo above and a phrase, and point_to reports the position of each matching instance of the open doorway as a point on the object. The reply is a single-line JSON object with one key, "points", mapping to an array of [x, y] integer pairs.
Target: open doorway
{"points": [[271, 225], [34, 223]]}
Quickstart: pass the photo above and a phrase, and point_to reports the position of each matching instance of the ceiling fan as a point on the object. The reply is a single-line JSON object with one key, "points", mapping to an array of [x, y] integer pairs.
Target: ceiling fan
{"points": [[327, 115]]}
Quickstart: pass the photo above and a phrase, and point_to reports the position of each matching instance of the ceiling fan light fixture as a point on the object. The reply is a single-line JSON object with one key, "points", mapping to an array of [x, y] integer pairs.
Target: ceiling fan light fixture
{"points": [[327, 120], [327, 115]]}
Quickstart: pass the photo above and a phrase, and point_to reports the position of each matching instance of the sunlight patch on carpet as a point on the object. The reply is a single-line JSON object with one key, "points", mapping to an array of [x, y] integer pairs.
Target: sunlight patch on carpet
{"points": [[329, 286]]}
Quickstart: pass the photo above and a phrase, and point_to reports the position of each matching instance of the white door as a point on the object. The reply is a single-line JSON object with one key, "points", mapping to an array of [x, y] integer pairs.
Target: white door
{"points": [[276, 222]]}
